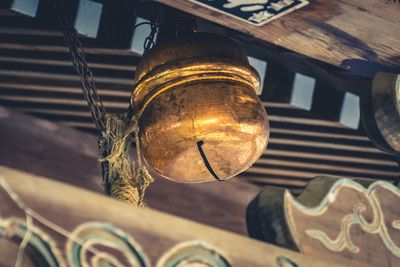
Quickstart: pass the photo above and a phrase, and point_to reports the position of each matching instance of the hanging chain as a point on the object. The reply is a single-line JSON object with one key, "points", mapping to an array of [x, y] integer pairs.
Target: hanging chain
{"points": [[120, 178], [150, 40], [80, 65]]}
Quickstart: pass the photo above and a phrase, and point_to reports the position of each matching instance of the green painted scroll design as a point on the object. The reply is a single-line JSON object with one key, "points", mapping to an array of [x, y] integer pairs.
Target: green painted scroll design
{"points": [[41, 248], [191, 254], [108, 245], [283, 261]]}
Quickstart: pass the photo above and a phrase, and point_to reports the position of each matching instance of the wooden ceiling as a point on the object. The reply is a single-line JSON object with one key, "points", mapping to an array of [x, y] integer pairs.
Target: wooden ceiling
{"points": [[37, 78]]}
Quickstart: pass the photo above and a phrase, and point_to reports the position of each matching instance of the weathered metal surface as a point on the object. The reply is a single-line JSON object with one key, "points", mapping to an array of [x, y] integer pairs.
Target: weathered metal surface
{"points": [[200, 117]]}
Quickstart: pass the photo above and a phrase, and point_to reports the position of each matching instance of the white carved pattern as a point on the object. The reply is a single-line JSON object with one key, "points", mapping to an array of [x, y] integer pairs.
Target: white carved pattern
{"points": [[343, 240]]}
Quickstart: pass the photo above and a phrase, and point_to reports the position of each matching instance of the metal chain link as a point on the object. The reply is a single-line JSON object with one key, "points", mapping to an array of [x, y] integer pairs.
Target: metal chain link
{"points": [[150, 40], [80, 65], [147, 45]]}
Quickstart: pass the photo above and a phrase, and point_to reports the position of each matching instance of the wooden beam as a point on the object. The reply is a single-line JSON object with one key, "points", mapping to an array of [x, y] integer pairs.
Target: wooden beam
{"points": [[116, 232], [342, 33]]}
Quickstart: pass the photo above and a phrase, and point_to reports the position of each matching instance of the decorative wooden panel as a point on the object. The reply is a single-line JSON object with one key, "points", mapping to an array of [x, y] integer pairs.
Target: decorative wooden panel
{"points": [[352, 221], [335, 219], [65, 226]]}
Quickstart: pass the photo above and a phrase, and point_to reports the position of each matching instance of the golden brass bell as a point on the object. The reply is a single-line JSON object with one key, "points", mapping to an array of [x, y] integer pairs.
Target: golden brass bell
{"points": [[200, 116]]}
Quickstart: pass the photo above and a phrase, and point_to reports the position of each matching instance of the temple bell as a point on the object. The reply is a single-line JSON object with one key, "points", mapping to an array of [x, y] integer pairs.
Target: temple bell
{"points": [[200, 118]]}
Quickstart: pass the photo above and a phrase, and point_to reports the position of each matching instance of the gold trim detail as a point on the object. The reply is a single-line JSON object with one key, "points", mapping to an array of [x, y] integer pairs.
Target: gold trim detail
{"points": [[171, 75]]}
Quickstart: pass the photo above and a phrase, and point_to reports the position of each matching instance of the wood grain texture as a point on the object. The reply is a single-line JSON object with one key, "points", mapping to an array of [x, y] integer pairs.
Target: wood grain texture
{"points": [[95, 221], [342, 33]]}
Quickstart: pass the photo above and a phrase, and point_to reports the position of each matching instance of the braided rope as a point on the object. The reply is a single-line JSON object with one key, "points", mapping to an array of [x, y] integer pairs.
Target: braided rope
{"points": [[121, 179]]}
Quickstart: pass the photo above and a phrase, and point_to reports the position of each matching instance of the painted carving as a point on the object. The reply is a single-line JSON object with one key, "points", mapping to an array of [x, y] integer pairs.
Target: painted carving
{"points": [[261, 16], [256, 12], [283, 261], [43, 251], [94, 243], [99, 244], [369, 219], [193, 254]]}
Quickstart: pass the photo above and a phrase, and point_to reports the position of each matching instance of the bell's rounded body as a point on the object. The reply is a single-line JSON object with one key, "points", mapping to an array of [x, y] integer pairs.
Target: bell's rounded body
{"points": [[200, 116]]}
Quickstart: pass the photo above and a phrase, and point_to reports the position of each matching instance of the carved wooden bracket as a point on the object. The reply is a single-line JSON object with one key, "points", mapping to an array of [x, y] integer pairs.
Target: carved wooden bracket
{"points": [[333, 219]]}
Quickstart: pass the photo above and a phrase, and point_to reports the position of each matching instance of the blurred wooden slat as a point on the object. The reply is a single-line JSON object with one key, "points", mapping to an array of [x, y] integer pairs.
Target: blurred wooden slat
{"points": [[319, 134], [67, 63], [291, 183], [318, 156], [326, 167], [314, 122], [72, 91], [61, 48], [323, 145], [61, 101], [66, 77], [306, 175]]}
